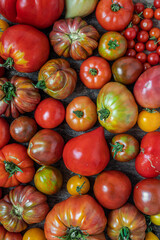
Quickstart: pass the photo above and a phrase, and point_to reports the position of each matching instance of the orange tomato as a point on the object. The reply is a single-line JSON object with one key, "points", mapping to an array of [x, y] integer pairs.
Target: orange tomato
{"points": [[155, 219], [151, 236], [149, 120], [34, 234], [3, 26], [78, 185]]}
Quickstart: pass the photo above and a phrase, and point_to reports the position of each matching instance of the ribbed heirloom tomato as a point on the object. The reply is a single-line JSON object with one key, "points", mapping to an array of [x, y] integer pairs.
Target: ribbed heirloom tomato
{"points": [[5, 235]]}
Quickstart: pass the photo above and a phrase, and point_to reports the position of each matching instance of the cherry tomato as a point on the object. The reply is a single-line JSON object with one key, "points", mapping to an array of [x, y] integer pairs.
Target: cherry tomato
{"points": [[139, 47], [142, 57], [131, 44], [136, 28], [149, 120], [138, 7], [151, 236], [34, 234], [157, 3], [148, 13], [153, 58], [154, 32], [158, 50], [142, 36], [130, 33], [155, 219], [157, 14], [146, 66], [49, 113], [136, 19], [151, 45], [4, 132], [146, 24], [3, 26], [78, 185], [131, 53]]}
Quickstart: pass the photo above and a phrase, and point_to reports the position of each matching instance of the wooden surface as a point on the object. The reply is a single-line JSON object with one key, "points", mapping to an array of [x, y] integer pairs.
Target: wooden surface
{"points": [[67, 133]]}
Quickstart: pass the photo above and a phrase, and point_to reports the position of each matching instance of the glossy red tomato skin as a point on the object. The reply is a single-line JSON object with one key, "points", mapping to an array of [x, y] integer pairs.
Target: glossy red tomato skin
{"points": [[147, 66], [4, 132], [146, 24], [139, 47], [131, 53], [142, 36], [112, 189], [138, 7], [151, 45], [131, 44], [146, 194], [142, 57], [158, 50], [157, 3], [1, 68], [37, 13], [154, 32], [50, 113], [153, 58], [130, 33], [157, 14], [148, 13]]}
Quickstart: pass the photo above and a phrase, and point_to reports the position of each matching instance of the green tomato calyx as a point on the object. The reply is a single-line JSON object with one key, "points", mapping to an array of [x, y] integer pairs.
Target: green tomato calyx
{"points": [[93, 71], [40, 85], [78, 113], [11, 168], [103, 114], [74, 233], [79, 188], [124, 234], [117, 147], [115, 7], [8, 63], [150, 110], [17, 211], [113, 44], [9, 91]]}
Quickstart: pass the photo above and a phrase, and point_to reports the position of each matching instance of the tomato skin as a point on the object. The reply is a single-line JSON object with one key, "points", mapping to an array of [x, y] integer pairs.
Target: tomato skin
{"points": [[130, 33], [157, 3], [114, 20], [48, 180], [4, 132], [148, 13], [139, 47], [5, 235], [22, 129], [146, 24], [72, 212], [85, 118], [79, 157], [146, 66], [130, 53], [153, 58], [151, 236], [34, 234], [142, 57], [50, 113], [148, 120], [95, 72], [112, 189], [157, 14], [139, 7], [136, 19], [154, 32], [151, 45], [145, 195], [142, 36], [78, 185], [131, 44], [158, 50], [155, 219], [112, 45]]}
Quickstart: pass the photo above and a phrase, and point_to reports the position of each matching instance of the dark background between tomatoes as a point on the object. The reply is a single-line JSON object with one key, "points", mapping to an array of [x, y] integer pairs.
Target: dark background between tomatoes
{"points": [[67, 133]]}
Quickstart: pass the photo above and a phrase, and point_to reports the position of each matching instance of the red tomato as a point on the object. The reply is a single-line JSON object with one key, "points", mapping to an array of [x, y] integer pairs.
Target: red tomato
{"points": [[153, 58], [5, 235], [142, 57], [151, 45], [136, 19], [142, 36], [139, 47], [157, 3], [130, 33], [131, 53], [157, 14], [158, 50], [1, 68], [4, 132], [146, 66], [146, 196], [131, 44], [154, 32], [95, 72], [138, 7], [146, 24], [136, 28], [148, 13], [50, 113], [112, 189]]}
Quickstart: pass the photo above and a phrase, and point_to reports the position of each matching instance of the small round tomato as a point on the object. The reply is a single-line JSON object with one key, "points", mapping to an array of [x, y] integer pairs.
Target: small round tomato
{"points": [[149, 120], [78, 185], [50, 113], [154, 32], [153, 58], [158, 50], [139, 47], [142, 57], [112, 189], [157, 14], [151, 236], [148, 13], [155, 219], [34, 234], [48, 180], [136, 28], [95, 72], [131, 44], [157, 3], [81, 113], [151, 45], [139, 7], [136, 19], [3, 26], [146, 66], [4, 132], [130, 53], [124, 147], [146, 24], [130, 33], [142, 36]]}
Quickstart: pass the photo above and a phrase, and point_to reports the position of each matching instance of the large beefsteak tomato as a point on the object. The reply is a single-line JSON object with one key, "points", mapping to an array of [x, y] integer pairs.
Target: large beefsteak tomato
{"points": [[78, 217], [5, 235]]}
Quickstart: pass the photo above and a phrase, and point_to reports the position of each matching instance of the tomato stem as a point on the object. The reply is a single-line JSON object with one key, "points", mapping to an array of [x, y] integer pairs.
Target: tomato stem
{"points": [[11, 168], [40, 84], [150, 110], [148, 222], [74, 233], [113, 44], [17, 211], [9, 91], [117, 147], [104, 114], [93, 71], [8, 63], [115, 7], [79, 188], [124, 234], [78, 113]]}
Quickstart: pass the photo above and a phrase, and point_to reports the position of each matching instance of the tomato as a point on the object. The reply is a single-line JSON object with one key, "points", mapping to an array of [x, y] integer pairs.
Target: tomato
{"points": [[46, 147], [3, 26], [157, 3], [130, 53], [136, 28], [57, 78], [48, 180], [124, 147], [151, 236], [138, 7], [142, 36], [112, 189], [4, 132], [38, 13], [22, 129], [147, 88], [149, 120], [15, 165], [74, 38], [131, 44], [146, 24], [154, 32], [148, 13], [113, 99], [126, 223], [79, 157], [81, 113], [130, 33], [78, 216], [155, 219], [19, 54], [157, 14], [34, 234], [112, 45], [50, 113], [5, 235], [142, 57], [153, 58], [158, 50], [148, 161], [95, 72], [146, 66], [145, 196], [139, 47], [151, 45], [136, 19], [78, 185], [114, 15], [126, 70], [17, 96]]}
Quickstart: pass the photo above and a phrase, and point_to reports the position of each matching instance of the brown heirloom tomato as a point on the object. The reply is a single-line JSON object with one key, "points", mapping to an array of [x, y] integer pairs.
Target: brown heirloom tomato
{"points": [[57, 79], [81, 113], [5, 235], [15, 165], [74, 38], [23, 205], [22, 129], [4, 132], [124, 147], [126, 223], [48, 180], [78, 217], [78, 185], [116, 107], [112, 45], [46, 147], [17, 96]]}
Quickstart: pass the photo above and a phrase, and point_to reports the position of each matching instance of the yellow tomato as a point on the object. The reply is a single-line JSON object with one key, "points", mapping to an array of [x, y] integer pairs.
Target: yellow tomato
{"points": [[78, 185], [149, 120], [34, 234], [151, 236], [3, 26], [155, 219]]}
